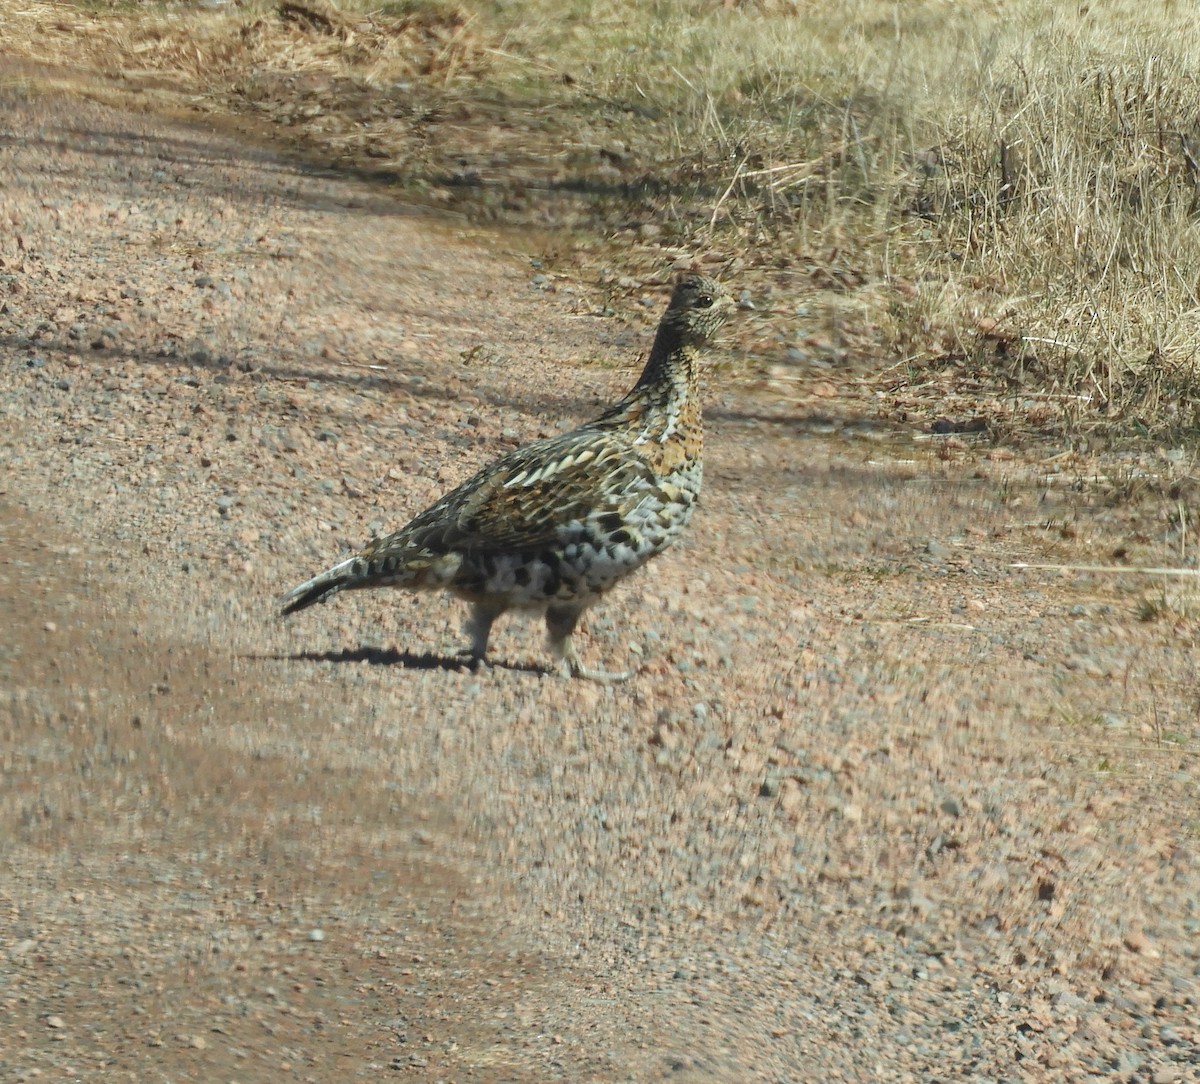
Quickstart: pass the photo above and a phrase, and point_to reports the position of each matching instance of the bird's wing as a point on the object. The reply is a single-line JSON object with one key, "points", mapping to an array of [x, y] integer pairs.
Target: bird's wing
{"points": [[521, 501]]}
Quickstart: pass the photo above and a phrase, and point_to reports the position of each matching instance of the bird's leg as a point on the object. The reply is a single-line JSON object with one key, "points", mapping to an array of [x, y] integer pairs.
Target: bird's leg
{"points": [[479, 628], [560, 624]]}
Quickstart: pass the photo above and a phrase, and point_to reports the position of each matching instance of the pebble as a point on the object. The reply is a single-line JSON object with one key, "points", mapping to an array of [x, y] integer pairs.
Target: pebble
{"points": [[316, 934], [1129, 1062]]}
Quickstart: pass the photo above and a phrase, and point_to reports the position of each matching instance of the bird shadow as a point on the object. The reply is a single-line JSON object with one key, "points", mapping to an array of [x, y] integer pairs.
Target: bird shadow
{"points": [[408, 660]]}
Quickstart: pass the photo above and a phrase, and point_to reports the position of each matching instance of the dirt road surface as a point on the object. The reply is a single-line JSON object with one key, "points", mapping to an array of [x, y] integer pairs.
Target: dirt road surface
{"points": [[877, 806]]}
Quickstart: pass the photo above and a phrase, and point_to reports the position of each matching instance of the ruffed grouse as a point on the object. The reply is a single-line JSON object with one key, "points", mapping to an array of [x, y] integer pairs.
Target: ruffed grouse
{"points": [[551, 526]]}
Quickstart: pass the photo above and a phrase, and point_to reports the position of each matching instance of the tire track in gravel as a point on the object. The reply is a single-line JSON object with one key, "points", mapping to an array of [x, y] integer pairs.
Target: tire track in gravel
{"points": [[182, 906]]}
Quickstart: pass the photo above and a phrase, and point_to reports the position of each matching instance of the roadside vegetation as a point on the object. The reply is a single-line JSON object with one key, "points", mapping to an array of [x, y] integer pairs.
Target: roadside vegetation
{"points": [[983, 210]]}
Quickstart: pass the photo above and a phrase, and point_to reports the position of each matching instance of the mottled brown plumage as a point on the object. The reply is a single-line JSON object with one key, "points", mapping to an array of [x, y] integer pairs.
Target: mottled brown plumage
{"points": [[553, 525]]}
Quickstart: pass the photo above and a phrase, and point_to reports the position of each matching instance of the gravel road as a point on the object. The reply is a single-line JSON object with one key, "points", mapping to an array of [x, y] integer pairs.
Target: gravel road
{"points": [[877, 806]]}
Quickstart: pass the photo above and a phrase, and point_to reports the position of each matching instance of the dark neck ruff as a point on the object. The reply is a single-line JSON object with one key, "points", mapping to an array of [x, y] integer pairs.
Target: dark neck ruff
{"points": [[672, 361]]}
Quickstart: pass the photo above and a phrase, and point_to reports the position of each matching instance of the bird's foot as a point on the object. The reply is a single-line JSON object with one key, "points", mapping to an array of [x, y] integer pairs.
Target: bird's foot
{"points": [[570, 663], [572, 667], [471, 659]]}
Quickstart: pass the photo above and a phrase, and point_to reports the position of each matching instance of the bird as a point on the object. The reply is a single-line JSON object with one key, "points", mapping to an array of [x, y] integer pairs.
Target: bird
{"points": [[552, 525]]}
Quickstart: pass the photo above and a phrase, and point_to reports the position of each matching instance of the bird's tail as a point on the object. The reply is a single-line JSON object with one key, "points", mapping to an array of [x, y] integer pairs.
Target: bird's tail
{"points": [[390, 562], [319, 588]]}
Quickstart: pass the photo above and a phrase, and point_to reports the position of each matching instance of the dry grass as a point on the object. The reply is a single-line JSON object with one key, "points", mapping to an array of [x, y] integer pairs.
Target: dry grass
{"points": [[216, 50], [988, 205]]}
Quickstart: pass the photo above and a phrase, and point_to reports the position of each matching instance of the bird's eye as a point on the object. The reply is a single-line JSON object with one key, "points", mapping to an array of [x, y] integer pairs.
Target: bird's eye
{"points": [[704, 301]]}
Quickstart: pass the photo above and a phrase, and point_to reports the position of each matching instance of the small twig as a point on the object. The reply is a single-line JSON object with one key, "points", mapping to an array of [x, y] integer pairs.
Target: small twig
{"points": [[1175, 750], [1083, 398], [1049, 342], [880, 374], [1111, 570], [780, 169], [686, 81], [712, 222], [531, 62]]}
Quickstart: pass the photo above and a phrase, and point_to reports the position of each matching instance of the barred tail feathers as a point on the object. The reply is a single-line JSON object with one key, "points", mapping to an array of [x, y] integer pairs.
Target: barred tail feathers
{"points": [[377, 566], [321, 587]]}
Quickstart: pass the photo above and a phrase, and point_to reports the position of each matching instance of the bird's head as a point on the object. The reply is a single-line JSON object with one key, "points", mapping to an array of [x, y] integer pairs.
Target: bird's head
{"points": [[699, 306]]}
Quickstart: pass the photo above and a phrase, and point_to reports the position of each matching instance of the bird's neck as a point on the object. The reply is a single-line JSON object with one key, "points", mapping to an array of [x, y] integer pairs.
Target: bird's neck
{"points": [[671, 368], [665, 401]]}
